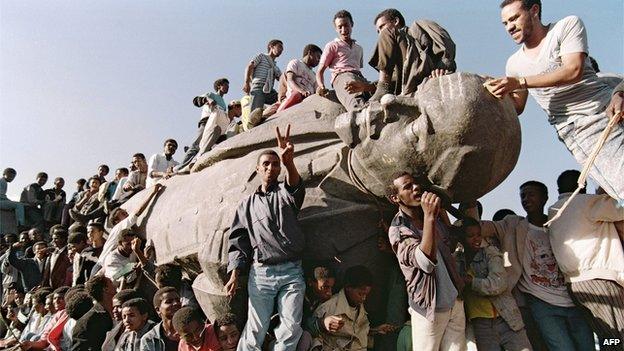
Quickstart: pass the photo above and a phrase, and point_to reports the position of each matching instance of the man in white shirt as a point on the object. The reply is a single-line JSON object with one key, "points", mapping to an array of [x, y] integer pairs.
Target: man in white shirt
{"points": [[532, 268], [300, 78], [588, 249], [160, 166], [122, 221], [553, 65]]}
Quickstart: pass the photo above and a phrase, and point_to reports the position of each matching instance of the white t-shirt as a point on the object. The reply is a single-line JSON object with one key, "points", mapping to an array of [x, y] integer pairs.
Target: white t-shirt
{"points": [[303, 76], [158, 163], [563, 104], [540, 273]]}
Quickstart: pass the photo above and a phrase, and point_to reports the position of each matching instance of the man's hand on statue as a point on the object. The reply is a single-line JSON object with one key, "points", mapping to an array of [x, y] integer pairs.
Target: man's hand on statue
{"points": [[439, 73], [333, 323], [322, 91], [232, 284], [354, 87], [616, 106], [288, 149], [502, 86], [430, 204]]}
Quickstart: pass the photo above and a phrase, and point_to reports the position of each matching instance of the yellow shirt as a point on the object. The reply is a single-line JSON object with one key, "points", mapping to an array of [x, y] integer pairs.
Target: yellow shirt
{"points": [[478, 306]]}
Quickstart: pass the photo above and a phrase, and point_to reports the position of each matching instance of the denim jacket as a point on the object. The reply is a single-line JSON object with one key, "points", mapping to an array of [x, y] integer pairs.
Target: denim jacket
{"points": [[490, 280]]}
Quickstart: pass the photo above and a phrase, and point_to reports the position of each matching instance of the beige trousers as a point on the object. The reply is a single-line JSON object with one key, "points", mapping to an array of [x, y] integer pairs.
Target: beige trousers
{"points": [[446, 333]]}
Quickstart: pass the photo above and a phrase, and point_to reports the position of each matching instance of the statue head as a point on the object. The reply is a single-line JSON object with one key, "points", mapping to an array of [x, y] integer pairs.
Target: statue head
{"points": [[451, 131]]}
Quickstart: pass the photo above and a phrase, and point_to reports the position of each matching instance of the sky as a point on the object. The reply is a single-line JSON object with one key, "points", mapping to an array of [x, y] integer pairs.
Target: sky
{"points": [[89, 82]]}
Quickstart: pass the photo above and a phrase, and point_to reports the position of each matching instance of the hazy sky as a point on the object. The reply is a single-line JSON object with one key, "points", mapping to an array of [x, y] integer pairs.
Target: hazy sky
{"points": [[90, 82]]}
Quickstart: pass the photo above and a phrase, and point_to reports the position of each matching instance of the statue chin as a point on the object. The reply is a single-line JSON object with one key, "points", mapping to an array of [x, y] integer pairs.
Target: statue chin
{"points": [[464, 140]]}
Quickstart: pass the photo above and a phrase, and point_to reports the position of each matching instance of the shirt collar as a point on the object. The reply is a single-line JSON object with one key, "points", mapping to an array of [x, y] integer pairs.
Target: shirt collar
{"points": [[338, 40], [343, 307], [272, 187]]}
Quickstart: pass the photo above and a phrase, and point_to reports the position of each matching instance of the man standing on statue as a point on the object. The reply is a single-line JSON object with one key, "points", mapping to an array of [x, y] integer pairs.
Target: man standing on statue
{"points": [[265, 238]]}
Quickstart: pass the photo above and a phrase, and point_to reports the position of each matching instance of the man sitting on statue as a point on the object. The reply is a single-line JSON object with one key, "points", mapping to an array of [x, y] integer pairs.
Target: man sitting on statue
{"points": [[300, 77], [405, 56], [345, 58]]}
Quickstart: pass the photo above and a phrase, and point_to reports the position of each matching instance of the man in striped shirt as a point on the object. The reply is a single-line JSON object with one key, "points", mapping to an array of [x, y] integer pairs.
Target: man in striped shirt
{"points": [[261, 73]]}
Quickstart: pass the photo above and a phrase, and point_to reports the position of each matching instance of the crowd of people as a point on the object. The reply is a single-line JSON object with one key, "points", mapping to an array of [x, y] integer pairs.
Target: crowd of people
{"points": [[78, 276]]}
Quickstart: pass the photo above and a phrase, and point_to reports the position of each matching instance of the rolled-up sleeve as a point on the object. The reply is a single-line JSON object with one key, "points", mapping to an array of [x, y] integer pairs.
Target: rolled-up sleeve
{"points": [[408, 252], [239, 250]]}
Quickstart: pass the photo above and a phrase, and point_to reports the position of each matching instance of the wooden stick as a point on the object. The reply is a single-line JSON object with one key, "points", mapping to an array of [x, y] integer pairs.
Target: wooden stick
{"points": [[588, 164]]}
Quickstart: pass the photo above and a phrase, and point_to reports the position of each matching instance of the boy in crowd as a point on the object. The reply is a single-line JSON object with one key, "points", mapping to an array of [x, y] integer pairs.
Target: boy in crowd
{"points": [[56, 266], [81, 266], [491, 308], [33, 198], [95, 235], [260, 74], [208, 102], [319, 289], [160, 166], [88, 203], [108, 189], [345, 324], [128, 252], [54, 203], [420, 241], [102, 172], [536, 274], [589, 253], [30, 269], [281, 242], [121, 221], [135, 317], [90, 330], [170, 274], [345, 58], [300, 77], [163, 336], [78, 303], [36, 320], [8, 175], [137, 178], [195, 334], [113, 335]]}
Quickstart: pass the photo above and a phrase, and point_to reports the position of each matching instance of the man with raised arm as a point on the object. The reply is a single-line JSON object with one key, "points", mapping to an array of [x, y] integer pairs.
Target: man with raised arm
{"points": [[265, 238]]}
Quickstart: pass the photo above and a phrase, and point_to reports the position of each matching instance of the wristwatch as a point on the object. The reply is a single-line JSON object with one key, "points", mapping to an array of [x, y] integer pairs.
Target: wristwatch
{"points": [[523, 83]]}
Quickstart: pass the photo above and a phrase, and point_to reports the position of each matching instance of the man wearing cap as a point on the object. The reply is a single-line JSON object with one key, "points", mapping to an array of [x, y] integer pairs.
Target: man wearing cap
{"points": [[160, 166]]}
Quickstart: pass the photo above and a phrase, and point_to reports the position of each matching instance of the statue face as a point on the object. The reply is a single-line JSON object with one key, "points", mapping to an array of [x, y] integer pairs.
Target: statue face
{"points": [[447, 131]]}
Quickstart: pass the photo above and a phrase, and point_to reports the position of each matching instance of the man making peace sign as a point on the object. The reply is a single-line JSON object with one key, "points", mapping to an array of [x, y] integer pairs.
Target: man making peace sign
{"points": [[265, 239]]}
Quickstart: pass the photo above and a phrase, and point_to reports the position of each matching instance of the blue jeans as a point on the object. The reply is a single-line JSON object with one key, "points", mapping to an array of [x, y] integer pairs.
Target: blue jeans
{"points": [[269, 284], [563, 328]]}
